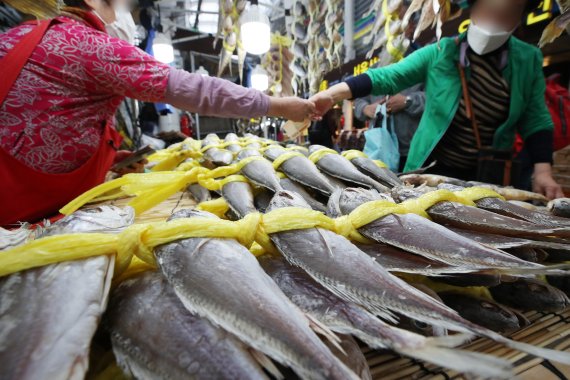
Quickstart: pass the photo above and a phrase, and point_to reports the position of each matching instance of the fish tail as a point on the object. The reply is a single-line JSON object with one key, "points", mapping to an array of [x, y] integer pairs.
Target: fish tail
{"points": [[545, 353], [475, 363]]}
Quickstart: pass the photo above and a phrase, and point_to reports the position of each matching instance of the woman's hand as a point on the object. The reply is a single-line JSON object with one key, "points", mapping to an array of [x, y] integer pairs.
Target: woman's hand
{"points": [[291, 108], [325, 100], [543, 183], [137, 167]]}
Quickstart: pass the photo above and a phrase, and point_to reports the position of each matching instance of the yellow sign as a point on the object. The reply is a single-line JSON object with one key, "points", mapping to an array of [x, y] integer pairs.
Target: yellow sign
{"points": [[543, 13], [363, 67]]}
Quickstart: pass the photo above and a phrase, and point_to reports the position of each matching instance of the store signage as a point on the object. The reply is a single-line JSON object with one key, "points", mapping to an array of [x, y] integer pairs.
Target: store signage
{"points": [[542, 13], [363, 67]]}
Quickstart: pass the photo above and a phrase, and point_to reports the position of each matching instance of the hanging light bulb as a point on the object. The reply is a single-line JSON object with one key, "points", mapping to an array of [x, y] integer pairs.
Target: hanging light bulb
{"points": [[202, 71], [259, 79], [255, 31], [162, 48]]}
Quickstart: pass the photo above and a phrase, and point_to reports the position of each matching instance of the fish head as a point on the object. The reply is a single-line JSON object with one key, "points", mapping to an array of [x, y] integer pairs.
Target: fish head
{"points": [[559, 206], [403, 193], [450, 187], [284, 198], [273, 153], [248, 152], [350, 198], [103, 219], [314, 148], [231, 137], [191, 213]]}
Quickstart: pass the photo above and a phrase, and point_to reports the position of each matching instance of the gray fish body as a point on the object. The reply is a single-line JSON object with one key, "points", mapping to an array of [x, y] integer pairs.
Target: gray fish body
{"points": [[530, 294], [302, 170], [48, 315], [199, 193], [351, 356], [475, 219], [261, 200], [155, 337], [341, 168], [234, 148], [349, 273], [418, 235], [290, 185], [261, 173], [231, 137], [383, 175], [221, 280], [339, 315], [14, 238], [488, 314], [509, 209], [244, 153], [239, 197], [218, 157]]}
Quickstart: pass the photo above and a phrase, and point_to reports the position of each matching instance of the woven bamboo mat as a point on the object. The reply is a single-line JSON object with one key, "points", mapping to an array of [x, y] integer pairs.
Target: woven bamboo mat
{"points": [[551, 330]]}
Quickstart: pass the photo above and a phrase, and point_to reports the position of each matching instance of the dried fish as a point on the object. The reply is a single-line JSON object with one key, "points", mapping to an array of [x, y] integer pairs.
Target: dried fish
{"points": [[348, 318], [560, 207], [558, 25], [239, 196], [243, 300], [155, 336], [349, 273], [487, 313], [338, 166], [48, 315], [530, 294], [199, 193], [302, 170]]}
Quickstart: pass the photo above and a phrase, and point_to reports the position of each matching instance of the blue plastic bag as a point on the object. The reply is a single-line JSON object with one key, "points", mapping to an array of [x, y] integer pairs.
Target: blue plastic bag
{"points": [[382, 142]]}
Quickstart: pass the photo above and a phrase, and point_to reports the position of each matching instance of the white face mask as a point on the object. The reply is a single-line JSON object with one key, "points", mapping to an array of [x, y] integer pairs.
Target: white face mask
{"points": [[123, 27], [486, 39]]}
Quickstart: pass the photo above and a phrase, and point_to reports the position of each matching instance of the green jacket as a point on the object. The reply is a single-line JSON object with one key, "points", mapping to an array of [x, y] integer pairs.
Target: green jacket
{"points": [[436, 66]]}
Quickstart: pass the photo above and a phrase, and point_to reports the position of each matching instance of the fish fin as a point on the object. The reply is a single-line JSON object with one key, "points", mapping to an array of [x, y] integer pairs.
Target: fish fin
{"points": [[483, 365], [541, 352], [450, 341], [324, 331], [266, 363], [551, 270]]}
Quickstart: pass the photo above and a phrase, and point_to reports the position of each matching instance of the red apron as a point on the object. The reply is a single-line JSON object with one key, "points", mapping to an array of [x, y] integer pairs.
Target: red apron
{"points": [[30, 195]]}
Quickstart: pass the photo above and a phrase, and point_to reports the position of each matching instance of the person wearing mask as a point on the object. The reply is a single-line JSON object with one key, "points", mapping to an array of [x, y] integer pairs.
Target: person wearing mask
{"points": [[406, 108], [485, 77], [63, 80]]}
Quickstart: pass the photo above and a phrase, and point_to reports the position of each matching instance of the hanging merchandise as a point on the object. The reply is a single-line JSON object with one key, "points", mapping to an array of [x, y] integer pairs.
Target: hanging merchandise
{"points": [[277, 63]]}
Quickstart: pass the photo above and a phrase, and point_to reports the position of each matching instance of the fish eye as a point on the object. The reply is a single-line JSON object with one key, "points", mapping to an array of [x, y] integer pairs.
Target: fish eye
{"points": [[421, 325]]}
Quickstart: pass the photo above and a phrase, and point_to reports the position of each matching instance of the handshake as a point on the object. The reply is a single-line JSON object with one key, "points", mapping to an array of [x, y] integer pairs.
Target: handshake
{"points": [[297, 109], [314, 108]]}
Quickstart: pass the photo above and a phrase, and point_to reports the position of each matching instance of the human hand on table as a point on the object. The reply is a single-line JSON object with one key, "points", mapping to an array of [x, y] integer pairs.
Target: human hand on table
{"points": [[543, 183], [137, 167]]}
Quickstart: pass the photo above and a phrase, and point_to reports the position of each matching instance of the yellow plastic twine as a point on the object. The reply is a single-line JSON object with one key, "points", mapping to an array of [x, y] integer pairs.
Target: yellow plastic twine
{"points": [[139, 240], [316, 156], [284, 157], [150, 189], [352, 154]]}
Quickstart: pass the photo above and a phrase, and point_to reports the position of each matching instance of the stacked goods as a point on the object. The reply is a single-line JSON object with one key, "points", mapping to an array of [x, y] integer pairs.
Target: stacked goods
{"points": [[285, 243]]}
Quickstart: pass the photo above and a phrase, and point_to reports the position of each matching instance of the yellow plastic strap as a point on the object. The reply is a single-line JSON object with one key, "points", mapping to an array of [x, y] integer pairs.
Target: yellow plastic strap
{"points": [[218, 207], [352, 154], [54, 249], [284, 157], [139, 240], [397, 54], [316, 156], [473, 291], [477, 193]]}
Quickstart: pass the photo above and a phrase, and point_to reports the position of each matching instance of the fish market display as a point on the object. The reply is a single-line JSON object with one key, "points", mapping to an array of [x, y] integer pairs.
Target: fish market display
{"points": [[48, 315], [155, 336], [287, 247], [243, 300]]}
